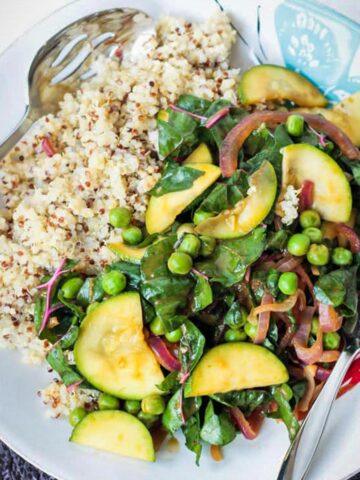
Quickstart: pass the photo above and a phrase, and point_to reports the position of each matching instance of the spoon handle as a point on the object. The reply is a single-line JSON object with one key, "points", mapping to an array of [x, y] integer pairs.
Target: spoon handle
{"points": [[16, 134], [301, 452]]}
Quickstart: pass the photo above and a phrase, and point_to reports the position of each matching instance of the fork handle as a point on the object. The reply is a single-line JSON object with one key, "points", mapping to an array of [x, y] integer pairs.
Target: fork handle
{"points": [[301, 452], [22, 127]]}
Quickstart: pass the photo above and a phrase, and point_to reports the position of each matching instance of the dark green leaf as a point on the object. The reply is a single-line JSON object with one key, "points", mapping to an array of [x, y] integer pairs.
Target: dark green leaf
{"points": [[218, 132], [192, 345], [277, 240], [58, 362], [272, 280], [203, 295], [231, 258], [179, 409], [166, 292], [299, 389], [91, 291], [70, 337], [217, 429], [169, 139], [175, 178], [246, 400], [286, 413], [193, 104], [131, 271], [338, 287], [235, 317], [170, 382], [191, 431], [39, 312], [75, 309]]}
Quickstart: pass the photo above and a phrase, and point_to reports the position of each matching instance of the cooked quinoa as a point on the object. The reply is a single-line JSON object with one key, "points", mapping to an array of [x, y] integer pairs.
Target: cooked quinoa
{"points": [[105, 140]]}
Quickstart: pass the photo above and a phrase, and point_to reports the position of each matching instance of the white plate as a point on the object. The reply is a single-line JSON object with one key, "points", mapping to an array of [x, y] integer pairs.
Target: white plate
{"points": [[43, 442]]}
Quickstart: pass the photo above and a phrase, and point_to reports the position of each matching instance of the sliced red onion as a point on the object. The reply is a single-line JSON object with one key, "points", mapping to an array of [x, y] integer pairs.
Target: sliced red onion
{"points": [[72, 387], [289, 333], [48, 147], [236, 137], [322, 374], [309, 374], [308, 355], [329, 356], [186, 112], [284, 306], [214, 119], [250, 426], [264, 319], [351, 236], [288, 263], [329, 319], [307, 281], [164, 357], [306, 197]]}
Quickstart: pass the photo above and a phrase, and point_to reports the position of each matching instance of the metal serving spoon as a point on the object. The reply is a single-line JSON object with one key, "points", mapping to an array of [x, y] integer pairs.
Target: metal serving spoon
{"points": [[301, 452], [67, 58]]}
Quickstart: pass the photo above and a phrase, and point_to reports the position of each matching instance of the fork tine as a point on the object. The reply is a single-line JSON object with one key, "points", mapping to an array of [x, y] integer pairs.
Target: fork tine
{"points": [[66, 50]]}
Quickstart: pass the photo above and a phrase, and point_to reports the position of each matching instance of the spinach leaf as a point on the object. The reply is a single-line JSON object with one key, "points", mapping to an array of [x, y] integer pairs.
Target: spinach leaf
{"points": [[75, 309], [338, 288], [191, 431], [246, 400], [70, 337], [226, 194], [169, 139], [131, 271], [58, 362], [235, 317], [148, 311], [228, 263], [175, 178], [354, 167], [39, 312], [272, 280], [286, 412], [170, 382], [178, 410], [91, 291], [203, 295], [167, 293], [192, 345], [277, 240], [299, 389], [193, 104], [217, 429]]}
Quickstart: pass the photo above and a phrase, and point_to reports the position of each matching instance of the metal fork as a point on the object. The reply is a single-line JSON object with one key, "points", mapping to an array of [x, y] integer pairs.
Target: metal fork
{"points": [[67, 59]]}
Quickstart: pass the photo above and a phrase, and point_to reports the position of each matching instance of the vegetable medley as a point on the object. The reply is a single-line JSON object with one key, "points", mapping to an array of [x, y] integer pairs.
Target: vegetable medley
{"points": [[234, 300]]}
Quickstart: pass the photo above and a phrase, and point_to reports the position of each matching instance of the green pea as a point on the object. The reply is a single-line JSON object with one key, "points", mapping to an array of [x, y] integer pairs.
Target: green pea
{"points": [[201, 216], [113, 282], [314, 325], [185, 228], [315, 234], [71, 287], [318, 255], [180, 263], [310, 218], [108, 402], [190, 244], [92, 307], [132, 235], [147, 419], [132, 406], [157, 326], [153, 404], [331, 340], [174, 336], [295, 125], [208, 245], [342, 256], [119, 217], [286, 391], [250, 330], [77, 415], [288, 283], [232, 335], [298, 244]]}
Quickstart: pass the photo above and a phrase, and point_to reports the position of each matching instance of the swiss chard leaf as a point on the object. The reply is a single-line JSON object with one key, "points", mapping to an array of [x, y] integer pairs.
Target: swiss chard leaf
{"points": [[131, 271], [169, 139], [193, 104], [91, 291], [228, 263], [191, 431], [246, 400], [203, 295], [75, 309], [192, 345], [170, 382], [235, 317], [175, 178], [217, 429], [286, 412], [58, 362], [277, 240], [167, 293], [70, 337], [338, 288], [179, 409]]}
